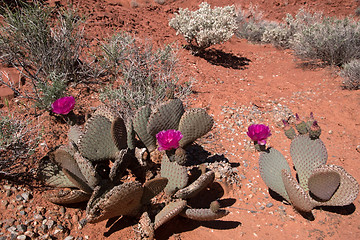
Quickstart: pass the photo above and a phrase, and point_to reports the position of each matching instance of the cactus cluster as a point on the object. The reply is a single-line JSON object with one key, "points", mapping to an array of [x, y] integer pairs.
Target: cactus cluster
{"points": [[92, 166], [82, 166], [319, 183], [179, 191], [170, 114]]}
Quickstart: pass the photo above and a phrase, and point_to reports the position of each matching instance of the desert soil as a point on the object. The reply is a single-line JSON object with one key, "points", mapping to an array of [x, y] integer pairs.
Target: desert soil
{"points": [[238, 83]]}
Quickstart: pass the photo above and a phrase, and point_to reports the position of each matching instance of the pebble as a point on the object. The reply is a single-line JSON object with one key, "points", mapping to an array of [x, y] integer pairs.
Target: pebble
{"points": [[8, 193], [22, 237], [269, 205], [21, 228], [62, 210], [50, 223], [23, 213], [19, 198], [5, 203], [75, 218], [11, 229], [26, 196], [69, 238], [82, 223], [38, 217]]}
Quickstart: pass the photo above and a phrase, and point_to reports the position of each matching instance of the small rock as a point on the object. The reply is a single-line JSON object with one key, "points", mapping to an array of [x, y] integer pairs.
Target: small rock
{"points": [[269, 205], [26, 196], [62, 210], [11, 229], [82, 223], [19, 198], [50, 223], [5, 203], [23, 213], [21, 228], [22, 237], [38, 217], [69, 238], [75, 218], [8, 193], [7, 187], [358, 148], [10, 221], [30, 234], [281, 207]]}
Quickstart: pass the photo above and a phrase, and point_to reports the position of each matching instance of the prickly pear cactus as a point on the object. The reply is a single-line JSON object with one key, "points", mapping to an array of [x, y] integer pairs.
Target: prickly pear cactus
{"points": [[193, 123], [179, 192], [319, 184], [175, 173]]}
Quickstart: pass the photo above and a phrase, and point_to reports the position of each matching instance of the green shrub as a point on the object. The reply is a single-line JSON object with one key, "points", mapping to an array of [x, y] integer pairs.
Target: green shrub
{"points": [[351, 75], [329, 40], [42, 43], [18, 141], [205, 26], [141, 73], [252, 26]]}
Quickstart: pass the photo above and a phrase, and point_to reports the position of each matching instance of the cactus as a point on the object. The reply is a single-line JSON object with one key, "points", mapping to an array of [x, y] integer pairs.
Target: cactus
{"points": [[91, 167], [193, 124], [319, 184], [175, 173], [179, 192], [81, 166]]}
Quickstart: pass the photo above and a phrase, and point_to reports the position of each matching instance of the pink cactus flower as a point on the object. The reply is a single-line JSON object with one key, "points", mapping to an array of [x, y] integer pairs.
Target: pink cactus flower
{"points": [[259, 133], [63, 105], [168, 139]]}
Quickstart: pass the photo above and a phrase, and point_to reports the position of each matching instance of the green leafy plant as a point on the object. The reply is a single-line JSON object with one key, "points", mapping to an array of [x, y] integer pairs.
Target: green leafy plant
{"points": [[351, 74], [18, 140], [205, 27], [46, 46], [143, 74]]}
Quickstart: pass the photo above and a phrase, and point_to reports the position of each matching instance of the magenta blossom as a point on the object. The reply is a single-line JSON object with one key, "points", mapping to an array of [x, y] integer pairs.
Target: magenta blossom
{"points": [[63, 105], [259, 133], [168, 139]]}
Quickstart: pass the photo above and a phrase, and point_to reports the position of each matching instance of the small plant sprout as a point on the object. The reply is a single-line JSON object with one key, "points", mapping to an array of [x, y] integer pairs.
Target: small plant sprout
{"points": [[168, 139], [63, 105]]}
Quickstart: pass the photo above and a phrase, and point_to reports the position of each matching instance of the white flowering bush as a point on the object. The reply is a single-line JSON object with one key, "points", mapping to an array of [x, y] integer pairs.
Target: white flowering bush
{"points": [[206, 26]]}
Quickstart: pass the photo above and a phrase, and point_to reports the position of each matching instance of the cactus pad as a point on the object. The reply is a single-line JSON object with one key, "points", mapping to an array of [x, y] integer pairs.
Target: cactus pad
{"points": [[120, 164], [107, 112], [87, 170], [168, 212], [194, 124], [323, 184], [119, 133], [130, 133], [121, 200], [97, 144], [153, 188], [51, 173], [74, 134], [165, 116], [140, 120], [64, 157], [347, 190], [271, 164], [297, 195], [194, 188], [175, 173], [203, 214], [68, 196], [307, 154]]}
